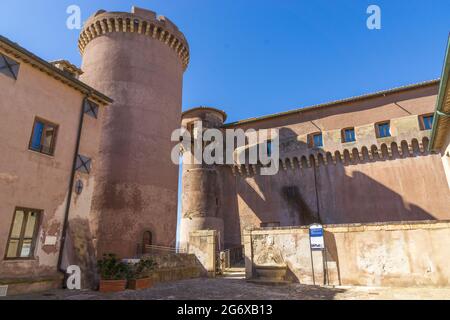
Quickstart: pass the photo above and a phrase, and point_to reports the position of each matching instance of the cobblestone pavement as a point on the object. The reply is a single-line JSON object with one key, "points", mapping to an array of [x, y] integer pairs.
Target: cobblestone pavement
{"points": [[220, 288]]}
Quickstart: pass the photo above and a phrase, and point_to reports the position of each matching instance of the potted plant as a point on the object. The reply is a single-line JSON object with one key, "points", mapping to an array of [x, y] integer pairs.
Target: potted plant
{"points": [[113, 273], [141, 274]]}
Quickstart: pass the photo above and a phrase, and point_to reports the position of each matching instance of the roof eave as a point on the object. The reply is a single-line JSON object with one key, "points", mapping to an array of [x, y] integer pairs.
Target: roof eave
{"points": [[443, 90], [29, 57]]}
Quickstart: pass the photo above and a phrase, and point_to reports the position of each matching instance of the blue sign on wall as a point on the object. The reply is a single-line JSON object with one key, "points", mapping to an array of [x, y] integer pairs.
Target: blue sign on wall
{"points": [[316, 237], [316, 232]]}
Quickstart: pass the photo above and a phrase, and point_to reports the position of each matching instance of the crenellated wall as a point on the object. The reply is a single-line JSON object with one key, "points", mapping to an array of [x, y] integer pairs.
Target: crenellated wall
{"points": [[369, 180], [139, 21]]}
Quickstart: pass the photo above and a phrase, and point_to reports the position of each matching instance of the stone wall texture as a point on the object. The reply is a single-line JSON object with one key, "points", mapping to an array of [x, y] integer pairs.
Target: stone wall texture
{"points": [[403, 254], [203, 244]]}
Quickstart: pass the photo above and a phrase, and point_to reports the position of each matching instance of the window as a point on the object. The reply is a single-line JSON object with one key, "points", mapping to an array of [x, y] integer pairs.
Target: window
{"points": [[426, 122], [23, 234], [91, 108], [43, 137], [316, 140], [383, 129], [348, 135], [9, 67], [83, 164], [269, 148]]}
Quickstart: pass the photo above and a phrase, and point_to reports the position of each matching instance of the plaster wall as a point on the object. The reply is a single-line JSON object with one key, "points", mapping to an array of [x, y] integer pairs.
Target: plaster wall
{"points": [[34, 180], [404, 254]]}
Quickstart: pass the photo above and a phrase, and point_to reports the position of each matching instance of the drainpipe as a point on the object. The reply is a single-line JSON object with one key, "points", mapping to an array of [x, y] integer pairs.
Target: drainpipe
{"points": [[69, 196], [317, 193]]}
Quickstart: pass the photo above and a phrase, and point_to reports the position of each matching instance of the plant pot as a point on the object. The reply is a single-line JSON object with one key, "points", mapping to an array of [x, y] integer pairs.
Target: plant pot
{"points": [[139, 284], [112, 285]]}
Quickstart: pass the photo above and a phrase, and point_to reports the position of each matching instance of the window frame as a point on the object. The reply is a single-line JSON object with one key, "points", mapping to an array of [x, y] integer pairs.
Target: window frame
{"points": [[83, 164], [343, 136], [91, 108], [311, 139], [8, 66], [422, 122], [269, 148], [377, 129], [21, 238], [53, 144]]}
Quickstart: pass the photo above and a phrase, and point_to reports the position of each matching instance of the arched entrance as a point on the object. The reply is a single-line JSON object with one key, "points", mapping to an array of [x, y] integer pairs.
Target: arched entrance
{"points": [[147, 239]]}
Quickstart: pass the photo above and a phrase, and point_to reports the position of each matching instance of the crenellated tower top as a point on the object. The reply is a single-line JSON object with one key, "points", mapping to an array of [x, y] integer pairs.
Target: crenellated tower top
{"points": [[141, 21]]}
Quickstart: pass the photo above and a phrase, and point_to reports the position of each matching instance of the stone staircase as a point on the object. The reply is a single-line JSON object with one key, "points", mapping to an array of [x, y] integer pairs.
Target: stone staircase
{"points": [[234, 273]]}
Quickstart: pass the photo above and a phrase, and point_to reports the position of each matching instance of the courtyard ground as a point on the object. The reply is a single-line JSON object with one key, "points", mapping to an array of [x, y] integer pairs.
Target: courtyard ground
{"points": [[239, 289]]}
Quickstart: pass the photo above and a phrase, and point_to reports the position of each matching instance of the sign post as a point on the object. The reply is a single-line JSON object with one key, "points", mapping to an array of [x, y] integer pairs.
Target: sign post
{"points": [[317, 243]]}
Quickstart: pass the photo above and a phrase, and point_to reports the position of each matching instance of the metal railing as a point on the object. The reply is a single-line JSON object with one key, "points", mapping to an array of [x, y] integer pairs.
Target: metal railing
{"points": [[154, 249]]}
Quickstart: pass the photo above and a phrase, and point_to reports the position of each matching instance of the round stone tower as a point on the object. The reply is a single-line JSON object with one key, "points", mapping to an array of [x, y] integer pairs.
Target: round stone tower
{"points": [[201, 189], [137, 59]]}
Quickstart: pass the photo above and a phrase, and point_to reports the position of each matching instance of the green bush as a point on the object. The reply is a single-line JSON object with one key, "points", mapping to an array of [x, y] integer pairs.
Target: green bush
{"points": [[142, 269], [112, 268]]}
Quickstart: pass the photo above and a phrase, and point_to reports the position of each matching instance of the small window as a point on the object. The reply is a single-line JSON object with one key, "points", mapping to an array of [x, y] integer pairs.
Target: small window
{"points": [[316, 140], [83, 164], [348, 135], [426, 122], [269, 148], [91, 108], [43, 137], [9, 67], [383, 129], [23, 234]]}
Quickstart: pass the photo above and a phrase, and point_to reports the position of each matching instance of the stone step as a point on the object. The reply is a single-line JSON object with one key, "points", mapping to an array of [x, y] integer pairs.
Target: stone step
{"points": [[233, 276], [269, 282], [235, 269]]}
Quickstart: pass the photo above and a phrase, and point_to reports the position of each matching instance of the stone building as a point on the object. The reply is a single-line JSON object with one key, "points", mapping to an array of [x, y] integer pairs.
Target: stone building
{"points": [[49, 136], [364, 159]]}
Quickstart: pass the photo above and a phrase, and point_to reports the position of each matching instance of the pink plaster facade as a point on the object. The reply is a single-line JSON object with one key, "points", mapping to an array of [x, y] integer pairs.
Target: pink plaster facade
{"points": [[38, 181]]}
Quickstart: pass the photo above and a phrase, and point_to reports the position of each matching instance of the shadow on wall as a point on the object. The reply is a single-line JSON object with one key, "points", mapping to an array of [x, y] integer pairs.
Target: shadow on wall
{"points": [[79, 250], [331, 255], [337, 193]]}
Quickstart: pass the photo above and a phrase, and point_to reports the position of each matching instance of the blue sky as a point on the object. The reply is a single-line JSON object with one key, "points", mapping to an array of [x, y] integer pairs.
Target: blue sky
{"points": [[253, 58]]}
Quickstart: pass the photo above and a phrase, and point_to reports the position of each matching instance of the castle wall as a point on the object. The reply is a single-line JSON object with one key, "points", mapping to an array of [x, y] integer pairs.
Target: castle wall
{"points": [[403, 189], [202, 184], [381, 254], [370, 180], [137, 60]]}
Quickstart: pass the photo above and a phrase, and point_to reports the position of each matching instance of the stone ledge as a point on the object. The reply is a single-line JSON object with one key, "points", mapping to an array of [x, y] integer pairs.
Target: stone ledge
{"points": [[356, 227], [28, 285]]}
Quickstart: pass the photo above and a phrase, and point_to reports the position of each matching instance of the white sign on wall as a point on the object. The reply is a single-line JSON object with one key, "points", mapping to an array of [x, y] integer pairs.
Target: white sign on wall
{"points": [[316, 237]]}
